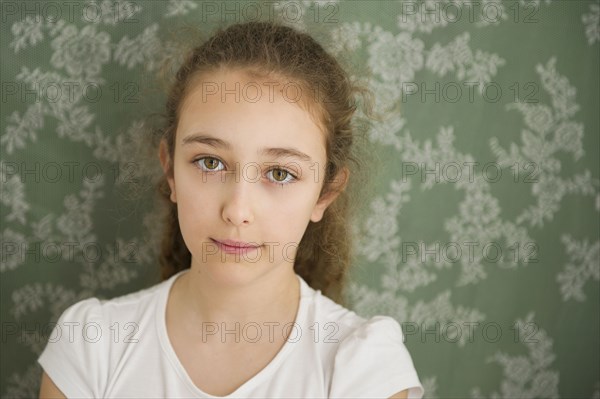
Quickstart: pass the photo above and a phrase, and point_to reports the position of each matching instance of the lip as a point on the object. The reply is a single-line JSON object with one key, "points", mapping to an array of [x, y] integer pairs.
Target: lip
{"points": [[231, 249], [235, 244]]}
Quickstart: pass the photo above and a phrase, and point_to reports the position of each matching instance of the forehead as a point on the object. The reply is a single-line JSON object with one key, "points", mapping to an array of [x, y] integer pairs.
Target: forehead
{"points": [[248, 112]]}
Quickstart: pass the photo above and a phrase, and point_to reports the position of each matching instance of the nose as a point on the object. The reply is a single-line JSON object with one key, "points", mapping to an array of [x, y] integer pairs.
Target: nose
{"points": [[238, 203]]}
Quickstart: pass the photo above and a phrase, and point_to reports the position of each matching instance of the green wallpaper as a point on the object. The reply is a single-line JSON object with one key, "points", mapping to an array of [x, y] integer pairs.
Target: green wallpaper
{"points": [[481, 237]]}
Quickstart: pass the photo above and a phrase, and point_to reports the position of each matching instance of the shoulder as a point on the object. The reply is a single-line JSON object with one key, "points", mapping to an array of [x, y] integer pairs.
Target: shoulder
{"points": [[324, 310], [375, 330], [84, 312], [88, 339], [104, 311], [88, 321], [372, 361], [75, 355]]}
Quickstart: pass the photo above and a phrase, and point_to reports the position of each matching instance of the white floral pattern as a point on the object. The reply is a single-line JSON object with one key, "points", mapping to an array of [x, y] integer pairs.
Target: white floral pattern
{"points": [[591, 21], [81, 53], [574, 276], [180, 7], [526, 376], [540, 148]]}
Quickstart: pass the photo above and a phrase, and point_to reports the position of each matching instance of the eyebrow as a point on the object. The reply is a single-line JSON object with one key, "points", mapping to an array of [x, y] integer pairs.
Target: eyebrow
{"points": [[218, 143]]}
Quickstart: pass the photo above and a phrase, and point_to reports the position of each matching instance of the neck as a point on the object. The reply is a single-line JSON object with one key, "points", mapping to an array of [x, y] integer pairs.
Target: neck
{"points": [[273, 296]]}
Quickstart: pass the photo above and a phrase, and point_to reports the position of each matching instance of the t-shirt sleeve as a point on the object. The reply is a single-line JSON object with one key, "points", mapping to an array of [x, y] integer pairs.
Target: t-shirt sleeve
{"points": [[373, 362], [75, 355]]}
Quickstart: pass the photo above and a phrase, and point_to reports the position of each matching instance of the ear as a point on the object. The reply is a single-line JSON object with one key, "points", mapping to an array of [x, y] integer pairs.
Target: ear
{"points": [[165, 161], [338, 186]]}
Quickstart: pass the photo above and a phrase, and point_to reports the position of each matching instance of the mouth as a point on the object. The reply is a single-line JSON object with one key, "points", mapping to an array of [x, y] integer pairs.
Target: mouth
{"points": [[235, 245]]}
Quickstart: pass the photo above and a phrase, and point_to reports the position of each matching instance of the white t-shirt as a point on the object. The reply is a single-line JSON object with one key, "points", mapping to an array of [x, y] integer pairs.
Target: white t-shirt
{"points": [[120, 348]]}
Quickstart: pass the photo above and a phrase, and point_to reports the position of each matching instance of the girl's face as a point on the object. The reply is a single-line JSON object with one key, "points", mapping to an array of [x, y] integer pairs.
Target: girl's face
{"points": [[248, 166]]}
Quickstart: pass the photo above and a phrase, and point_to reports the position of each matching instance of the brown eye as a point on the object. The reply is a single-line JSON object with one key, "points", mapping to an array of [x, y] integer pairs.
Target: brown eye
{"points": [[279, 174], [210, 161], [207, 164], [282, 177]]}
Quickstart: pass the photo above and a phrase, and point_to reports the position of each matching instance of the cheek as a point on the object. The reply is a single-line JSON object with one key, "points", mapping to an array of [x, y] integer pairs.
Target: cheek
{"points": [[294, 215], [188, 183], [192, 218], [195, 218], [193, 202]]}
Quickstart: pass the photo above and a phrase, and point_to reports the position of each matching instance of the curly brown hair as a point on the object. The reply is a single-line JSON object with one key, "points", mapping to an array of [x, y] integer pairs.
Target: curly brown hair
{"points": [[270, 48]]}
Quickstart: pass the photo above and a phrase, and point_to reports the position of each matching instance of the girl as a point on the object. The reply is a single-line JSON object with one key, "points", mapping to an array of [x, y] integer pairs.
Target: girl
{"points": [[256, 154]]}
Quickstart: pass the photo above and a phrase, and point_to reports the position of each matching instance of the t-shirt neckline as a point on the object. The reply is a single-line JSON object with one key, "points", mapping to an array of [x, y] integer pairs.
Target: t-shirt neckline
{"points": [[253, 381]]}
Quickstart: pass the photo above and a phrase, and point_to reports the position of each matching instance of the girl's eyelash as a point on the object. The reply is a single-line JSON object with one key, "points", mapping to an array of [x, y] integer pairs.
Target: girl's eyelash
{"points": [[196, 162]]}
